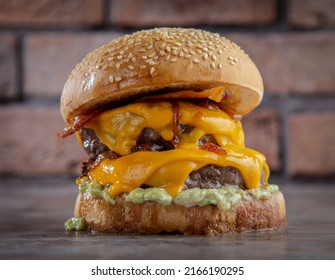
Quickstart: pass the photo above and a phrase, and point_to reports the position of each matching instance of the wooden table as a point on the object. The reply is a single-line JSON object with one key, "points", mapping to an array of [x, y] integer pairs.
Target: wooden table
{"points": [[33, 213]]}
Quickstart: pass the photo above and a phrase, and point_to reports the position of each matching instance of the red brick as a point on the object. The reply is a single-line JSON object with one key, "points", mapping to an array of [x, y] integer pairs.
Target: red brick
{"points": [[261, 130], [311, 13], [300, 63], [143, 13], [51, 13], [29, 145], [8, 67], [311, 149], [50, 57]]}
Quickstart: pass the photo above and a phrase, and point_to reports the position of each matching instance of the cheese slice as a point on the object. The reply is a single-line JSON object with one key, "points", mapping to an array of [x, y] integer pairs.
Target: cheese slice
{"points": [[119, 129]]}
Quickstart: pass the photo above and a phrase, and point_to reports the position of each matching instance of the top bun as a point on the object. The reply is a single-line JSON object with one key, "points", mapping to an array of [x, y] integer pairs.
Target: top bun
{"points": [[162, 60]]}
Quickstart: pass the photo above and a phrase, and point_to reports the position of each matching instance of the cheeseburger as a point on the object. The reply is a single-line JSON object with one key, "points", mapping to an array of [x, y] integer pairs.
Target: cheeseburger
{"points": [[158, 113]]}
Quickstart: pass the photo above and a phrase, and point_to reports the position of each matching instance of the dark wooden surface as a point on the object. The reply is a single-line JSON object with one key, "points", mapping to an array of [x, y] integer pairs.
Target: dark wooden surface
{"points": [[33, 213]]}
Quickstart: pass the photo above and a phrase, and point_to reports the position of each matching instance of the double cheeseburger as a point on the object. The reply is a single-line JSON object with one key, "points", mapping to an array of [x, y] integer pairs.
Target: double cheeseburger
{"points": [[158, 114]]}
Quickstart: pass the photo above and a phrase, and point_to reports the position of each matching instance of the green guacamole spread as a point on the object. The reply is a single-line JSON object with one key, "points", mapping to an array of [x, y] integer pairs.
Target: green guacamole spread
{"points": [[223, 198], [95, 190], [75, 224]]}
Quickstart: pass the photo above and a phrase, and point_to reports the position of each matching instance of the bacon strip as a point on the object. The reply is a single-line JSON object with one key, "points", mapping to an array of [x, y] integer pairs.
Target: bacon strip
{"points": [[175, 122], [78, 122], [213, 148]]}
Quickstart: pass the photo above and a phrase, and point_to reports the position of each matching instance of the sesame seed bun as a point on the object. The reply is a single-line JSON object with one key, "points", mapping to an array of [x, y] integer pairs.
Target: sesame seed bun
{"points": [[154, 218], [162, 60]]}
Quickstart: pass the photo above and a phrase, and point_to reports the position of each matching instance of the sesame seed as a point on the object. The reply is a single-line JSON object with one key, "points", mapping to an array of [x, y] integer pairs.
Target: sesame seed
{"points": [[111, 58], [130, 55], [151, 55], [220, 65], [199, 51], [173, 59], [167, 57], [151, 62], [149, 47], [142, 50], [162, 46], [195, 60], [230, 58], [205, 56], [130, 67], [152, 70], [192, 52], [119, 57], [188, 56], [117, 65], [162, 53], [98, 66], [213, 65], [118, 79], [168, 49], [104, 67], [144, 57], [174, 52], [133, 59], [143, 66], [111, 79], [220, 51], [121, 52], [214, 57], [87, 74]]}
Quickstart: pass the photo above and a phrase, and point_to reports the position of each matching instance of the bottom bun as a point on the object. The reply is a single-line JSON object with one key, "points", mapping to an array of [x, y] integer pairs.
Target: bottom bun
{"points": [[154, 218]]}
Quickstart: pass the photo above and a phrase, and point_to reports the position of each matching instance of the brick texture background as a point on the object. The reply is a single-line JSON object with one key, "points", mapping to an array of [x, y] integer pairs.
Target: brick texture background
{"points": [[43, 13], [292, 42], [197, 12]]}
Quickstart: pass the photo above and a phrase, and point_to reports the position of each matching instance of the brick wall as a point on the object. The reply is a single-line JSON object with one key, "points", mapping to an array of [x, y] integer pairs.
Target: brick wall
{"points": [[292, 42]]}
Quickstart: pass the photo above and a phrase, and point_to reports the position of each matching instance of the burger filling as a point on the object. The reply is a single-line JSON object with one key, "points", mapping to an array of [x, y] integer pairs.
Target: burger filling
{"points": [[174, 146], [207, 177]]}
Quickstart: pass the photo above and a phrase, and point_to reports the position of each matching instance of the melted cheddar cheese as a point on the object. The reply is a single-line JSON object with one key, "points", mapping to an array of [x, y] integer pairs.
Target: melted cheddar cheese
{"points": [[120, 128]]}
